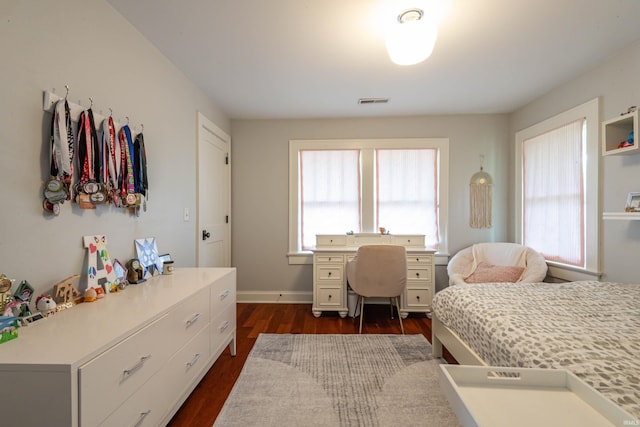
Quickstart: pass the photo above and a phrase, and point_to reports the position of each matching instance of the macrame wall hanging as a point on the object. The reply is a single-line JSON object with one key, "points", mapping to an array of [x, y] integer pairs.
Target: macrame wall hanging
{"points": [[480, 198]]}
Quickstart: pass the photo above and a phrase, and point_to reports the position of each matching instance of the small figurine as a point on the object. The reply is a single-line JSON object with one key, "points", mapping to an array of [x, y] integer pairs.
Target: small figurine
{"points": [[90, 295], [46, 305], [65, 292], [5, 291]]}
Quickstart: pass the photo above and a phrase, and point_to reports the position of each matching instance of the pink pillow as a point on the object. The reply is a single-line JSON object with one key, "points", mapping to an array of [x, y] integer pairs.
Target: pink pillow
{"points": [[487, 273]]}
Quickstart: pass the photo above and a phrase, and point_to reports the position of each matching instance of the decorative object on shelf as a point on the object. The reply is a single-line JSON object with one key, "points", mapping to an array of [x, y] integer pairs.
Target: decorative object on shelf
{"points": [[46, 305], [147, 252], [121, 275], [8, 328], [5, 291], [480, 198], [167, 264], [633, 202], [97, 248], [90, 295], [65, 292], [135, 272]]}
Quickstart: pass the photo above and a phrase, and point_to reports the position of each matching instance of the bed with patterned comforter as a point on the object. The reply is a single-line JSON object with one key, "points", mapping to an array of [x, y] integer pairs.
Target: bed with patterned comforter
{"points": [[589, 328]]}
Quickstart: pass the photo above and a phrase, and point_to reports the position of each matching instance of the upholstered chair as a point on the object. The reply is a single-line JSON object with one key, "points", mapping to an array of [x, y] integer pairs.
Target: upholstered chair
{"points": [[496, 262], [378, 271]]}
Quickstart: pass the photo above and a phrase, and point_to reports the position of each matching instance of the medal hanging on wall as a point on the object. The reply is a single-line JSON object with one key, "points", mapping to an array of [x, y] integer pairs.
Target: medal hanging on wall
{"points": [[140, 160], [89, 190], [128, 195], [111, 160], [58, 188]]}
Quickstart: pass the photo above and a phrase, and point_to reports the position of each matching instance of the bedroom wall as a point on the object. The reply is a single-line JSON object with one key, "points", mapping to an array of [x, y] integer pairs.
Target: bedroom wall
{"points": [[87, 45], [615, 81], [260, 187]]}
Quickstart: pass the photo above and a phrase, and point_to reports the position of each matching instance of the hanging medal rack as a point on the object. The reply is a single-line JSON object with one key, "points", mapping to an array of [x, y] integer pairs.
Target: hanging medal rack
{"points": [[102, 166]]}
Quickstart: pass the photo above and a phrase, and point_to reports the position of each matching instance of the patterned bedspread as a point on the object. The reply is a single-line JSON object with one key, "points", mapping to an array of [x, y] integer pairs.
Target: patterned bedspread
{"points": [[589, 328]]}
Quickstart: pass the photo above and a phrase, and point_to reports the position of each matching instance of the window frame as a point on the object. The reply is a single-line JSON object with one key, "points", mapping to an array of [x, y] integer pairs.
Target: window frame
{"points": [[591, 112], [295, 254]]}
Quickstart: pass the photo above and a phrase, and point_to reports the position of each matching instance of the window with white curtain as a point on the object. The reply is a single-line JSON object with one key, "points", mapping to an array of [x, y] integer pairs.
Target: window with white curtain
{"points": [[553, 193], [338, 186], [557, 191]]}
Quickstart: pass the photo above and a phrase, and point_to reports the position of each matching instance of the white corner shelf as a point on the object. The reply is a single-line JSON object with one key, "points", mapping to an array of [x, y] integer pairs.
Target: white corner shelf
{"points": [[627, 216], [616, 130]]}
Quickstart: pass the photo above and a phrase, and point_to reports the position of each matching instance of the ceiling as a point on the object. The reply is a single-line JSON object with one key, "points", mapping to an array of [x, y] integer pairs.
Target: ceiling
{"points": [[265, 59]]}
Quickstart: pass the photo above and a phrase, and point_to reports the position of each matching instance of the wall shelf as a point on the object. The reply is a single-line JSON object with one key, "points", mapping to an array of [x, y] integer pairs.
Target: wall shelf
{"points": [[627, 216], [616, 130]]}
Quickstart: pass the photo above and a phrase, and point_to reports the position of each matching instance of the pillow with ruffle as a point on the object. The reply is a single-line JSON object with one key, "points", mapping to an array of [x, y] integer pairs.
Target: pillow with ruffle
{"points": [[488, 273]]}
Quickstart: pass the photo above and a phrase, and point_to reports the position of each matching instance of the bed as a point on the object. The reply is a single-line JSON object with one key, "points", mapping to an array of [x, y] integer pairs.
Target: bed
{"points": [[589, 328]]}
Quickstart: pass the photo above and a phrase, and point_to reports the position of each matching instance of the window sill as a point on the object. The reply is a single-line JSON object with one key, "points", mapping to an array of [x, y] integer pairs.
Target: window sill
{"points": [[571, 274]]}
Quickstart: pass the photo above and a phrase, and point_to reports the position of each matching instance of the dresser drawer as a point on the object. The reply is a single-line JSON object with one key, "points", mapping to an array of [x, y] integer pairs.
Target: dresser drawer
{"points": [[222, 327], [222, 296], [110, 378], [422, 274], [186, 320], [330, 297], [150, 405], [418, 298]]}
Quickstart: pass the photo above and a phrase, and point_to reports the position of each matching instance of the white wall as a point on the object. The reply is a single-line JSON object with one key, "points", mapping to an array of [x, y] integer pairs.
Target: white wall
{"points": [[260, 185], [87, 45], [615, 81]]}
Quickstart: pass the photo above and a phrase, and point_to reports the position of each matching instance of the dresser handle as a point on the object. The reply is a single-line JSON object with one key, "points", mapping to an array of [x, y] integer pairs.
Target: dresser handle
{"points": [[193, 320], [224, 295], [194, 360], [137, 366], [225, 325], [143, 415]]}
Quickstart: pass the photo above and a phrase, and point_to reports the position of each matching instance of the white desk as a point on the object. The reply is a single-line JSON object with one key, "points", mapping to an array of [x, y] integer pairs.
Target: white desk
{"points": [[332, 253]]}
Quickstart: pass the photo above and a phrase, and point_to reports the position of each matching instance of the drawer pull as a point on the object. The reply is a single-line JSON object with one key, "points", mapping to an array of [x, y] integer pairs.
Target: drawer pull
{"points": [[329, 297], [137, 366], [417, 259], [418, 297], [417, 274], [329, 274], [225, 325], [224, 295], [194, 360], [143, 415], [194, 319]]}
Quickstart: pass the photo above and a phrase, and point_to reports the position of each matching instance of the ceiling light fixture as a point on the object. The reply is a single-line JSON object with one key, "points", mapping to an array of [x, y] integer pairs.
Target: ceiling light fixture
{"points": [[411, 39]]}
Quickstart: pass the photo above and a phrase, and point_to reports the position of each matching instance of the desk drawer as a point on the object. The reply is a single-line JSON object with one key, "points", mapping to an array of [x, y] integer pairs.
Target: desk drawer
{"points": [[330, 297], [422, 274], [331, 240], [330, 272], [413, 259], [418, 298], [329, 259]]}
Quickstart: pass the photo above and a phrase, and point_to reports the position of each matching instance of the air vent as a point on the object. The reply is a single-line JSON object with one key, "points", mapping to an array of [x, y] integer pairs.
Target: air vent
{"points": [[373, 100]]}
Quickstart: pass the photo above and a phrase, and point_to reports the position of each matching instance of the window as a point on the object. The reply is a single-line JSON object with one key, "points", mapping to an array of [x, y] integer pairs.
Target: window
{"points": [[337, 186], [557, 190]]}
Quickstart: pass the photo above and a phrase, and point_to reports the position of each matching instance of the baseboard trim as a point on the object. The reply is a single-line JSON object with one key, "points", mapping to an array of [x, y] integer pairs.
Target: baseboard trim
{"points": [[274, 297]]}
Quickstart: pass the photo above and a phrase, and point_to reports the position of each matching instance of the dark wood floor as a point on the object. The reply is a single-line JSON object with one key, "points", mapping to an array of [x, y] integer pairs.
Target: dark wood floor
{"points": [[204, 404]]}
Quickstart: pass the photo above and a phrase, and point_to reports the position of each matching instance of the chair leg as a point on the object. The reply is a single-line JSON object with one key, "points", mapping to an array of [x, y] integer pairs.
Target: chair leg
{"points": [[399, 316], [391, 306], [361, 313]]}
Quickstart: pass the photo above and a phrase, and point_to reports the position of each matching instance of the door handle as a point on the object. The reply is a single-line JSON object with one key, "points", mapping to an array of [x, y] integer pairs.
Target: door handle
{"points": [[205, 234]]}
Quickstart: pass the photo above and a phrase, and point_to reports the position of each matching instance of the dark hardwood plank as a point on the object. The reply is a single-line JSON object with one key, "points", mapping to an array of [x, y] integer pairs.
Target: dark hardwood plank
{"points": [[206, 401]]}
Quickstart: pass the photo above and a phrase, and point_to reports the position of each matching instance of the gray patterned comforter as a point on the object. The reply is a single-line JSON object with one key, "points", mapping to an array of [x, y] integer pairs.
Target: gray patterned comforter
{"points": [[589, 328]]}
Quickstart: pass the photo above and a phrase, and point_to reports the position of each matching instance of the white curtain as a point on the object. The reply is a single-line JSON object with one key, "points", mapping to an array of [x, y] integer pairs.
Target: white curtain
{"points": [[329, 193], [407, 197], [553, 193]]}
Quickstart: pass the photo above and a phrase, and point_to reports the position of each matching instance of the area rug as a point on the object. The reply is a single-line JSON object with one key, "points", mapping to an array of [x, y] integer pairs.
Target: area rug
{"points": [[338, 380]]}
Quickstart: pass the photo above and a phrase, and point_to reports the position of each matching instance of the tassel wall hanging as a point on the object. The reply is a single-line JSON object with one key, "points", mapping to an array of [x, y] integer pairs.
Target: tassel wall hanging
{"points": [[480, 198]]}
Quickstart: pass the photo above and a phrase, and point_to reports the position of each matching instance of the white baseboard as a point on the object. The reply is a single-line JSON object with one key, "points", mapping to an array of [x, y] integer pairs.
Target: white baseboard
{"points": [[274, 297]]}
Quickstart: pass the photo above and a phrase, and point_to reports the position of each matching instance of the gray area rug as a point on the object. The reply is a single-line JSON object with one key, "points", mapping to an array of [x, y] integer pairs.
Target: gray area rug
{"points": [[338, 380]]}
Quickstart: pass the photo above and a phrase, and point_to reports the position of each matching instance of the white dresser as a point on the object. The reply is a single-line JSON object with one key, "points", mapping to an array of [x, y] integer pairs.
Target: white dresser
{"points": [[330, 257], [130, 359]]}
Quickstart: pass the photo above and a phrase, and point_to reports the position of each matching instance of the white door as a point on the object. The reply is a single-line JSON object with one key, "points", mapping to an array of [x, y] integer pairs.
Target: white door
{"points": [[214, 195]]}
